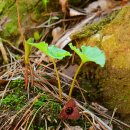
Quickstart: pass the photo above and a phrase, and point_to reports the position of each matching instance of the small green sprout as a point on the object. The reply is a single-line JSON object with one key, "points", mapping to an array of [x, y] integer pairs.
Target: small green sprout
{"points": [[45, 2], [87, 54], [37, 36], [27, 48], [54, 53]]}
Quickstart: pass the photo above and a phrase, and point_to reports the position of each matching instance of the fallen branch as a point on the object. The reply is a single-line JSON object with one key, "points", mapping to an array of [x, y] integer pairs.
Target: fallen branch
{"points": [[8, 42], [64, 40]]}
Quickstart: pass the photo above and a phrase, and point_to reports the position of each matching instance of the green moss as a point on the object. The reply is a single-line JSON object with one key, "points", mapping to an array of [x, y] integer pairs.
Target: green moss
{"points": [[11, 29], [16, 99], [94, 27], [36, 14], [25, 8], [116, 44], [2, 6], [121, 15], [31, 12]]}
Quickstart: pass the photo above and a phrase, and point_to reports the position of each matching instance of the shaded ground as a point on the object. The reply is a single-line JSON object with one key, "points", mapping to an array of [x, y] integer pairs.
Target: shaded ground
{"points": [[38, 107]]}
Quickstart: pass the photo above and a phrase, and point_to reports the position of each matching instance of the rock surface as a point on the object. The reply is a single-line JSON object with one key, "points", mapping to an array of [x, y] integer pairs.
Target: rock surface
{"points": [[114, 79], [116, 44]]}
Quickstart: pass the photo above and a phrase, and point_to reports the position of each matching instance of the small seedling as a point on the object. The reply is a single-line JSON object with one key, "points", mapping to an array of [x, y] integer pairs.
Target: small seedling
{"points": [[45, 2], [27, 48], [54, 53], [87, 54]]}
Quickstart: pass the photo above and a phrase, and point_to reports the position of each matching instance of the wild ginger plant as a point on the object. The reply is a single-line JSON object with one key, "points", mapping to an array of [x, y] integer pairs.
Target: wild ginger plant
{"points": [[87, 54], [54, 53]]}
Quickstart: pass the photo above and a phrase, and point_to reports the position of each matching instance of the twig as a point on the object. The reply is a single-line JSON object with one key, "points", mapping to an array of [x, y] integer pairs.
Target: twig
{"points": [[90, 122], [24, 116], [46, 124], [3, 51], [67, 126], [112, 116], [64, 40], [6, 88], [26, 119], [11, 119], [8, 42], [19, 24], [33, 117], [109, 117], [43, 25], [64, 75]]}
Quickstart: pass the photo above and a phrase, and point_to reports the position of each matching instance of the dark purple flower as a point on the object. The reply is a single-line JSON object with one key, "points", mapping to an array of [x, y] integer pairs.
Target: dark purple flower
{"points": [[69, 111]]}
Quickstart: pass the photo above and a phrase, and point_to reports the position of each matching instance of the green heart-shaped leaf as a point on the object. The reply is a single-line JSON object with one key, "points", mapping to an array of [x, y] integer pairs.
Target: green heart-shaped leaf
{"points": [[51, 51], [89, 53], [43, 46], [57, 53], [83, 57]]}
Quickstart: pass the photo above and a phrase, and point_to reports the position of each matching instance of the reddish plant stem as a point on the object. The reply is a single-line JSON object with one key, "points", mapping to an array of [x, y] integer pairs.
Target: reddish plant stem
{"points": [[26, 76]]}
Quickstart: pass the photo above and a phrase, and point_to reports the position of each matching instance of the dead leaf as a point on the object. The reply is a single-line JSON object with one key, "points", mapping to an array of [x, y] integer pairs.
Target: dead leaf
{"points": [[3, 82], [101, 5], [91, 128], [124, 2], [52, 81], [64, 6], [70, 71], [4, 53], [56, 34], [67, 37], [75, 12]]}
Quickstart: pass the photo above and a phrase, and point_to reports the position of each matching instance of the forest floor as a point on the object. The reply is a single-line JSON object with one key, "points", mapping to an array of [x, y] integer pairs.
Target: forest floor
{"points": [[30, 95]]}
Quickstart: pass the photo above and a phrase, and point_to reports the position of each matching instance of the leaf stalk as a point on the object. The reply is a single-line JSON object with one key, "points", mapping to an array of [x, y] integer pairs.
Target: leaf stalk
{"points": [[58, 78], [74, 79]]}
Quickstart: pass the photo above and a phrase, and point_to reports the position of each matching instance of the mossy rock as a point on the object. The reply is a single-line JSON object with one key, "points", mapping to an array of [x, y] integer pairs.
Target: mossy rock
{"points": [[116, 83], [114, 79]]}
